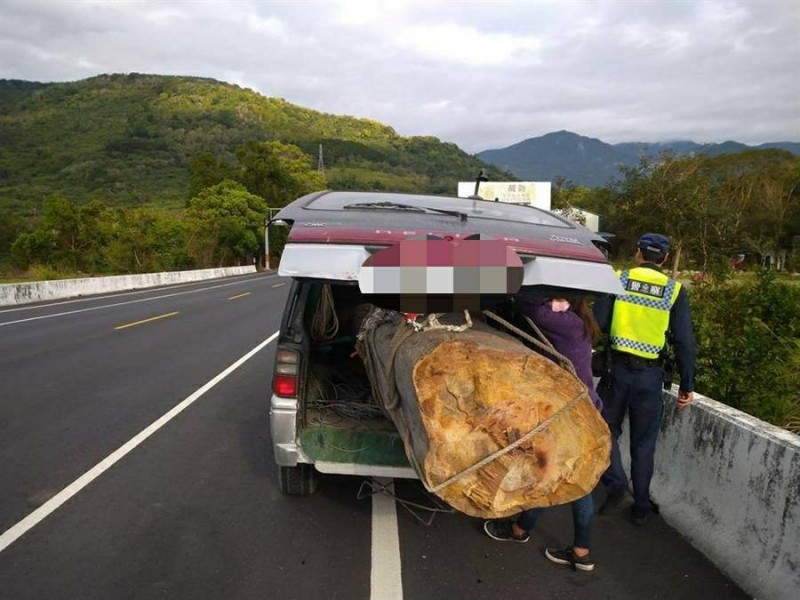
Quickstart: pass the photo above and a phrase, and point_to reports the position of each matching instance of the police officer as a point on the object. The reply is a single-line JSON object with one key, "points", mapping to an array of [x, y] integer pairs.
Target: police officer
{"points": [[637, 323]]}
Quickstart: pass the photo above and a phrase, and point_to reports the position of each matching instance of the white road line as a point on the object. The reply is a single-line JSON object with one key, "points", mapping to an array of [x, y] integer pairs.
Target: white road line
{"points": [[18, 530], [80, 310], [386, 581]]}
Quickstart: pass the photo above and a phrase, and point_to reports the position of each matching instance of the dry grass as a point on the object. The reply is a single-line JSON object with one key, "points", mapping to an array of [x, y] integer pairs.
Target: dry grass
{"points": [[793, 425]]}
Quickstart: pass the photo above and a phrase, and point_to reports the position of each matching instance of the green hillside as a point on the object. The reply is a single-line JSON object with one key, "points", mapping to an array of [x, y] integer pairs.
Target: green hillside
{"points": [[128, 140]]}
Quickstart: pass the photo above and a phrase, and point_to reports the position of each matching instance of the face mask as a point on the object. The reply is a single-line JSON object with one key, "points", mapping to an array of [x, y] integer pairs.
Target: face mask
{"points": [[559, 305]]}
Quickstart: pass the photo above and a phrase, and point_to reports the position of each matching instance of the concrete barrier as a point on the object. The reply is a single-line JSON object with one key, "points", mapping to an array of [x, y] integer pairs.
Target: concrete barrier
{"points": [[730, 484], [40, 291]]}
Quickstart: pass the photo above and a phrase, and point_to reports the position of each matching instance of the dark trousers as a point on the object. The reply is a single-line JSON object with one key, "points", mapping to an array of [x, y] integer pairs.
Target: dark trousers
{"points": [[637, 391], [582, 513]]}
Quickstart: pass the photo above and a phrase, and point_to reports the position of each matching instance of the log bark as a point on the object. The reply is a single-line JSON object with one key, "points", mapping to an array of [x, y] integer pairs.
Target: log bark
{"points": [[461, 399]]}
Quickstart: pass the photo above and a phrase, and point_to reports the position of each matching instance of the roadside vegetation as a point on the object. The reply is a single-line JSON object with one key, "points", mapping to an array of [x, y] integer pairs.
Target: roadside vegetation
{"points": [[748, 332], [734, 221]]}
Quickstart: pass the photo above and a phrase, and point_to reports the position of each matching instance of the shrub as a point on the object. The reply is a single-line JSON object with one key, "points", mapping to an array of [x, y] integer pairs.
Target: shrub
{"points": [[748, 334], [39, 272]]}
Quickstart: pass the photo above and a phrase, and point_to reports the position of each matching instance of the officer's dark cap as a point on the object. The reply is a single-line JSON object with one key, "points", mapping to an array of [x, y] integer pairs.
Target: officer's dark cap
{"points": [[655, 243]]}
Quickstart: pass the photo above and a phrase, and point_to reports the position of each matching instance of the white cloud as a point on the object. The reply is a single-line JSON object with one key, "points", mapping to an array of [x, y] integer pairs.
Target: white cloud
{"points": [[449, 42], [164, 17], [358, 13], [268, 26], [87, 65], [479, 74]]}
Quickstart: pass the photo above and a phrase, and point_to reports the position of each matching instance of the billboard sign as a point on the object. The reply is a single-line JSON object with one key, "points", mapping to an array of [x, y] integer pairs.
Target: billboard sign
{"points": [[530, 193]]}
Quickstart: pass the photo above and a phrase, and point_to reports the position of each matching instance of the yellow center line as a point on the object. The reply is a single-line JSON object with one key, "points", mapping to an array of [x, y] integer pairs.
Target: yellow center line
{"points": [[278, 284], [239, 296], [172, 314]]}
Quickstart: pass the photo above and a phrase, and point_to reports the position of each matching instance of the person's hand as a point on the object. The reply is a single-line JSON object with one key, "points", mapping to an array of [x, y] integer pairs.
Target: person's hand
{"points": [[685, 398]]}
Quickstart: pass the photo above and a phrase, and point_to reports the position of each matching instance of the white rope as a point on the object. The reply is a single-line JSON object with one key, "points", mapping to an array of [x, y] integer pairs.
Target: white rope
{"points": [[432, 322], [325, 323]]}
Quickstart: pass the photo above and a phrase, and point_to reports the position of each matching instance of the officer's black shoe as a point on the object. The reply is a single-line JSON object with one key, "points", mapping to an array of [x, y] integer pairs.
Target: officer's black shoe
{"points": [[614, 501], [639, 516]]}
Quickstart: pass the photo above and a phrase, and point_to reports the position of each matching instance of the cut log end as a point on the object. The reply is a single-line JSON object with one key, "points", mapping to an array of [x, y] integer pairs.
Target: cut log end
{"points": [[477, 400]]}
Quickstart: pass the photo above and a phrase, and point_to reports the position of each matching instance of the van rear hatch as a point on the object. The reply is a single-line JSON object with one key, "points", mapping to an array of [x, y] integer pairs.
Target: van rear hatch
{"points": [[333, 235]]}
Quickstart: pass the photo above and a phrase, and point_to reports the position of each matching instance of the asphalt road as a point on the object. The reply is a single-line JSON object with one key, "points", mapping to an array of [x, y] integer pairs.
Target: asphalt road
{"points": [[101, 497]]}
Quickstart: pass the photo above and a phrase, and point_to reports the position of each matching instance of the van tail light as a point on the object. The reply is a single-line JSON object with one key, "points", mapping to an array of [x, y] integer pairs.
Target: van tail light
{"points": [[285, 378]]}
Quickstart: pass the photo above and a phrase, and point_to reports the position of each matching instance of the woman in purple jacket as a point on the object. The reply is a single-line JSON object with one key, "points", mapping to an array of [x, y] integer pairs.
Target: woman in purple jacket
{"points": [[569, 325]]}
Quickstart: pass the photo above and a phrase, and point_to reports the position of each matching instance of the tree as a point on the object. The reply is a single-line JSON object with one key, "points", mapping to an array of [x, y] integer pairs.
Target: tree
{"points": [[33, 247], [11, 226], [777, 188], [670, 196], [277, 172], [712, 208], [759, 191], [67, 236], [225, 224], [568, 198], [206, 170], [146, 240]]}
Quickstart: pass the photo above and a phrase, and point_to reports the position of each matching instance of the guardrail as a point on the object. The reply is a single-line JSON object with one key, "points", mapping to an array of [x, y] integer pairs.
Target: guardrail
{"points": [[730, 484], [40, 291]]}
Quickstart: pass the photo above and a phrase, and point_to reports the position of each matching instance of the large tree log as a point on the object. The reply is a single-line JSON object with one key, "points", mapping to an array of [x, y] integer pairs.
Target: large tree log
{"points": [[459, 400]]}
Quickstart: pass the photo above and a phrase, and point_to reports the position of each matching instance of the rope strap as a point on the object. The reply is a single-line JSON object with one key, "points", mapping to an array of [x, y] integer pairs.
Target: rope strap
{"points": [[542, 344]]}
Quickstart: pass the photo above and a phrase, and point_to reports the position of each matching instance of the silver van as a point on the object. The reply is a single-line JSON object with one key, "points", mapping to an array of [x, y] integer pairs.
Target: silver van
{"points": [[323, 417]]}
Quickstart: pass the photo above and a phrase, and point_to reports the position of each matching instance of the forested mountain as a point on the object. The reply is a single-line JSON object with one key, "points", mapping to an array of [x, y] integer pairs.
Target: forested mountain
{"points": [[592, 162], [128, 140]]}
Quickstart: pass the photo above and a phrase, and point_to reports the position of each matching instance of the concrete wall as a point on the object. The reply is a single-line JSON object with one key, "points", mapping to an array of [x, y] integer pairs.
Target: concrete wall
{"points": [[730, 484], [39, 291]]}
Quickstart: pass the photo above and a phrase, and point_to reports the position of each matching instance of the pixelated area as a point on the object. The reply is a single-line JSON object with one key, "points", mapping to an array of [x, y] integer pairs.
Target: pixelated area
{"points": [[441, 275]]}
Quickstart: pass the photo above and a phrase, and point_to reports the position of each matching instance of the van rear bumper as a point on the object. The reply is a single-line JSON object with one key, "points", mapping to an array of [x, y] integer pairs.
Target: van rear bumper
{"points": [[283, 430], [337, 468]]}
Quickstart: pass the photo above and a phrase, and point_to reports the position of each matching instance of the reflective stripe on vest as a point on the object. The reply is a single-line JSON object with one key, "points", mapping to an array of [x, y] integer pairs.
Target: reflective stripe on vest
{"points": [[641, 315]]}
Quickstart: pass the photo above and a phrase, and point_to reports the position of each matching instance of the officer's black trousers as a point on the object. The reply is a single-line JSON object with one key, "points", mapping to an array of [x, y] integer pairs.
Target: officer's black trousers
{"points": [[637, 392]]}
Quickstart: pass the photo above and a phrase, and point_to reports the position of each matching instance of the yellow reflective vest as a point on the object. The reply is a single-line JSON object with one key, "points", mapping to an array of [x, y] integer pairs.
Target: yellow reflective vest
{"points": [[641, 316]]}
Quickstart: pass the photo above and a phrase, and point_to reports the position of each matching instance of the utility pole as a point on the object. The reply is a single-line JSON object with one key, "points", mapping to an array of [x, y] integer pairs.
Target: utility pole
{"points": [[270, 214], [320, 164], [266, 241]]}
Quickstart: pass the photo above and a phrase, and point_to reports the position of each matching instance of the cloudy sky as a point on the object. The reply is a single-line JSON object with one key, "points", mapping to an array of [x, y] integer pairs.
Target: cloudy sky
{"points": [[479, 74]]}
